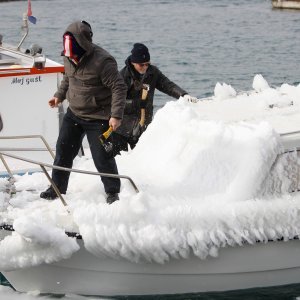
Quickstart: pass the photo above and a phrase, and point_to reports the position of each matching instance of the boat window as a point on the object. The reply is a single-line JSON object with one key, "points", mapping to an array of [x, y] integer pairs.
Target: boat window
{"points": [[8, 60]]}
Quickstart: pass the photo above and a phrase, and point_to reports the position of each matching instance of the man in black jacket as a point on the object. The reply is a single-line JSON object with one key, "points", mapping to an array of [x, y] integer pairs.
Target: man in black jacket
{"points": [[142, 79]]}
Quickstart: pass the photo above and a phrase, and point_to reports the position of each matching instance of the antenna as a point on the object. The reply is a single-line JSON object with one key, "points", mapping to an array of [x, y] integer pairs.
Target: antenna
{"points": [[24, 27]]}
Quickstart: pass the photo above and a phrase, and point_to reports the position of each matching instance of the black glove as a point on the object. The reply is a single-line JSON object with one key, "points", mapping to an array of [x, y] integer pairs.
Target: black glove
{"points": [[137, 131], [136, 134]]}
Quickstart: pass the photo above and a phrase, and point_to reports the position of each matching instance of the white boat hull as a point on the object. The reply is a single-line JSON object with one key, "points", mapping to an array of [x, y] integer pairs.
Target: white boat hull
{"points": [[292, 4], [260, 265], [25, 92]]}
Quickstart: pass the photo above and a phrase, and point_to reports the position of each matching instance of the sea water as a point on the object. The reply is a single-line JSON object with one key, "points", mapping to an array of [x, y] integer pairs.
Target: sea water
{"points": [[196, 43]]}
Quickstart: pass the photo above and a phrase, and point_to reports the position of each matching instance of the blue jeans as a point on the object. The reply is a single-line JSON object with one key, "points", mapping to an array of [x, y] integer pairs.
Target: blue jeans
{"points": [[68, 144]]}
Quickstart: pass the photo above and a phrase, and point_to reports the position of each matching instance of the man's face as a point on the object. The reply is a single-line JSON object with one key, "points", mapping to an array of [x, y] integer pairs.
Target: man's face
{"points": [[141, 67]]}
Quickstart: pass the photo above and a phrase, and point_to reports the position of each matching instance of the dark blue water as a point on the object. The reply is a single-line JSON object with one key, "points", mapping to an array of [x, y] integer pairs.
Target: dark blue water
{"points": [[196, 43], [287, 292]]}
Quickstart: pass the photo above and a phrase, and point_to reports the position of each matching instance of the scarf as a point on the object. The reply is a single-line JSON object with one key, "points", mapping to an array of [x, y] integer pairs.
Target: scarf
{"points": [[72, 49]]}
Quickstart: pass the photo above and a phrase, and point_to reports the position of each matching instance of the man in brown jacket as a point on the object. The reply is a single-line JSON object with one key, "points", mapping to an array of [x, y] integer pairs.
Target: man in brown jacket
{"points": [[96, 93]]}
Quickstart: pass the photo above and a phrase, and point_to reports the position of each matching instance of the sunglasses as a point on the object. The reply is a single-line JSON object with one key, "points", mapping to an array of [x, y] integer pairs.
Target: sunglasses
{"points": [[144, 65]]}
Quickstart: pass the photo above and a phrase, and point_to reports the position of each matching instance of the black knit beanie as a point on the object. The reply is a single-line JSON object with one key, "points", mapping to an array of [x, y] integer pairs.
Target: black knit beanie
{"points": [[139, 53]]}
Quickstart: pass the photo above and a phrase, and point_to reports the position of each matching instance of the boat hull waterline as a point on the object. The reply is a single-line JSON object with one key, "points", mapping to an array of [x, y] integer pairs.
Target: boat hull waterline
{"points": [[259, 265]]}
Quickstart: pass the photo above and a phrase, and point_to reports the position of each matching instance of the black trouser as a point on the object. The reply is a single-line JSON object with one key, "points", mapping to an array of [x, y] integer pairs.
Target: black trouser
{"points": [[68, 144]]}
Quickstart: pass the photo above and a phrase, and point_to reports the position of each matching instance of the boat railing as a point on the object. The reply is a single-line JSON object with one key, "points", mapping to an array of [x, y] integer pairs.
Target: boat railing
{"points": [[290, 140], [43, 165], [48, 148], [290, 133], [17, 137]]}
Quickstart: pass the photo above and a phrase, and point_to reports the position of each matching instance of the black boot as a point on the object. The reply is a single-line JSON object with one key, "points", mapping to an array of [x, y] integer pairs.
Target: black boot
{"points": [[49, 194], [112, 197]]}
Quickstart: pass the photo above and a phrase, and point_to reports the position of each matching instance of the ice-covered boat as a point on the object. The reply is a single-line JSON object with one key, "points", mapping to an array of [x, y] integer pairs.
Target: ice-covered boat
{"points": [[292, 4], [159, 241], [239, 265]]}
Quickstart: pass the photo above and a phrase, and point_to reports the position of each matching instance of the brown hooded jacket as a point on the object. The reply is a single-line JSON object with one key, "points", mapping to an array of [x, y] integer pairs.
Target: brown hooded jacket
{"points": [[94, 87]]}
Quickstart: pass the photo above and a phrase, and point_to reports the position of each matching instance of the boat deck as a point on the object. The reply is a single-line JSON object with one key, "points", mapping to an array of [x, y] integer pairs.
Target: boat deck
{"points": [[13, 62]]}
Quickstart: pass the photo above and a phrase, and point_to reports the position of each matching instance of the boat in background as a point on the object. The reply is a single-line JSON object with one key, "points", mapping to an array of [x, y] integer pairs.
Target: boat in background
{"points": [[28, 74], [292, 4]]}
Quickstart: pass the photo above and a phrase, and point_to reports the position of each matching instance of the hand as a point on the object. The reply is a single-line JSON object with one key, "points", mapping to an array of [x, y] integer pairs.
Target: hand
{"points": [[114, 123], [190, 98], [54, 102]]}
